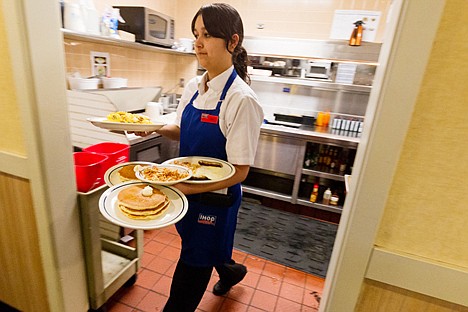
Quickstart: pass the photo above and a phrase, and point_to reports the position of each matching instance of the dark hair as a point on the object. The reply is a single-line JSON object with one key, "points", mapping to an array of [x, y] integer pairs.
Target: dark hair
{"points": [[223, 21]]}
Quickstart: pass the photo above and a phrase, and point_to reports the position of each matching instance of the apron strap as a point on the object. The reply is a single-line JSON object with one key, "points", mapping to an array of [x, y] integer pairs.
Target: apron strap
{"points": [[193, 97], [226, 88]]}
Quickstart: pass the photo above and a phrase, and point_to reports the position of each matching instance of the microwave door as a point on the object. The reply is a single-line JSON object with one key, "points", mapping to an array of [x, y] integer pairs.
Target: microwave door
{"points": [[157, 27]]}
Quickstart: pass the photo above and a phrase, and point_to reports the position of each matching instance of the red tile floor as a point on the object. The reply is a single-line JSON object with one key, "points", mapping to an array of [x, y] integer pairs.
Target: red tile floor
{"points": [[267, 286]]}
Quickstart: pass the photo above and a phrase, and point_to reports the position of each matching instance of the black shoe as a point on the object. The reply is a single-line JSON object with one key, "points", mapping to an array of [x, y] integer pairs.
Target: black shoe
{"points": [[219, 289], [232, 275]]}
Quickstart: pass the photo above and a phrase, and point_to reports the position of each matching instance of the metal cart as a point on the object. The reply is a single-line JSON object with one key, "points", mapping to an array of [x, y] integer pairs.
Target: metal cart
{"points": [[110, 264]]}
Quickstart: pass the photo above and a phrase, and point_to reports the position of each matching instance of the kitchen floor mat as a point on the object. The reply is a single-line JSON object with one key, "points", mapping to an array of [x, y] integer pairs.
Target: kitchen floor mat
{"points": [[289, 239]]}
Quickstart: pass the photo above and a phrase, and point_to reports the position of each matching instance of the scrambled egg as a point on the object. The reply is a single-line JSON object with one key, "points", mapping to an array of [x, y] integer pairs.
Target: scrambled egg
{"points": [[125, 117]]}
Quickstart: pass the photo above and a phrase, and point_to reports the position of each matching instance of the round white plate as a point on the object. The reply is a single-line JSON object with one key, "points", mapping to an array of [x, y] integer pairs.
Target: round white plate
{"points": [[121, 126], [215, 174], [181, 169], [112, 176], [109, 208]]}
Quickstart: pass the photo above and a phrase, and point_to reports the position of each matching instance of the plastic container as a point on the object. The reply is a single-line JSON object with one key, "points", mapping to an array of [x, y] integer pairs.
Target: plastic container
{"points": [[89, 170], [114, 83], [83, 83], [117, 153]]}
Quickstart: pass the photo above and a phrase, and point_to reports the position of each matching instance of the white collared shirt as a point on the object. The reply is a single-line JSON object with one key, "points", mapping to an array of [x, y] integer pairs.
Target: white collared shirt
{"points": [[240, 116]]}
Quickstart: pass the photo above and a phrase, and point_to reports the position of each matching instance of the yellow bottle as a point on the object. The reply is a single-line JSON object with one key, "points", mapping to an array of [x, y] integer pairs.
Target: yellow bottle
{"points": [[314, 194]]}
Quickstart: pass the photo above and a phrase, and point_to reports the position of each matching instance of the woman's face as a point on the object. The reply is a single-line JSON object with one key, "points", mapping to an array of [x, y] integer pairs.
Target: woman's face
{"points": [[211, 51]]}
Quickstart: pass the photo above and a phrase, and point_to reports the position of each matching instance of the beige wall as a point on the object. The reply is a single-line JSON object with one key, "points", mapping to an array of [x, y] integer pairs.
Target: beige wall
{"points": [[12, 138], [142, 68], [426, 211], [288, 19]]}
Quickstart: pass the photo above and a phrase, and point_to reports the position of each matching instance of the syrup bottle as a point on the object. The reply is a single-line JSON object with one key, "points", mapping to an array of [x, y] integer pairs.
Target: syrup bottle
{"points": [[356, 35]]}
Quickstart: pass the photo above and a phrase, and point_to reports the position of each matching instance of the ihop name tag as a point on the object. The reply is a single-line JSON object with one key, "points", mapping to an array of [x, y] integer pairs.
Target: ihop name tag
{"points": [[206, 219], [209, 118]]}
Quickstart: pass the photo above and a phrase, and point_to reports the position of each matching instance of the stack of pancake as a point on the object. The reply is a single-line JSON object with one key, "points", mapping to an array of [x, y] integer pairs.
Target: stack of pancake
{"points": [[141, 205], [127, 173]]}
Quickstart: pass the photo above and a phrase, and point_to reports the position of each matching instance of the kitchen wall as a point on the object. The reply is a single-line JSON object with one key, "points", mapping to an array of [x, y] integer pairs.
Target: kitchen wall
{"points": [[288, 19], [142, 67]]}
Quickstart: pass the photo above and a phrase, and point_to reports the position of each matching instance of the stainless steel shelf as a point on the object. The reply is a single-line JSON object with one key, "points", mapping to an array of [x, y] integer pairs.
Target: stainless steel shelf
{"points": [[325, 175], [336, 209], [266, 193], [322, 85], [73, 35]]}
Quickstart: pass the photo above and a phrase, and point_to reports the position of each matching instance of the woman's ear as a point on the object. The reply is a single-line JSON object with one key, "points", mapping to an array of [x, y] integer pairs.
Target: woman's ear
{"points": [[233, 43]]}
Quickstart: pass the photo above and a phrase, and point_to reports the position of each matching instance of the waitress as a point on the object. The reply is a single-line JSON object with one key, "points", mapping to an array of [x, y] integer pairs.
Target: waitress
{"points": [[218, 116]]}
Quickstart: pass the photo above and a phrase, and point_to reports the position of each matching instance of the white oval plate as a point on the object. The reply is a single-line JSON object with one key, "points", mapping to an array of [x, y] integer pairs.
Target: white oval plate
{"points": [[112, 176], [181, 169], [102, 122], [215, 174], [109, 208]]}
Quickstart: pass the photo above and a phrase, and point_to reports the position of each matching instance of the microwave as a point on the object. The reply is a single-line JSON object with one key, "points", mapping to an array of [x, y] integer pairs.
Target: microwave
{"points": [[318, 69], [148, 26]]}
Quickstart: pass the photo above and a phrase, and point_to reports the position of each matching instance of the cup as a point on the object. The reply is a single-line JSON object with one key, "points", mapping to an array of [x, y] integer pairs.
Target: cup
{"points": [[153, 110]]}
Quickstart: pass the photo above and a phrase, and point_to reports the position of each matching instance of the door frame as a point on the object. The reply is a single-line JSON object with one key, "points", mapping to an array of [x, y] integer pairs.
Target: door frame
{"points": [[402, 62]]}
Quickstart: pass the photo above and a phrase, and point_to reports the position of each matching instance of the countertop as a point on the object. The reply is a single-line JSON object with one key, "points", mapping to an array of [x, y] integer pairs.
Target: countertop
{"points": [[312, 133]]}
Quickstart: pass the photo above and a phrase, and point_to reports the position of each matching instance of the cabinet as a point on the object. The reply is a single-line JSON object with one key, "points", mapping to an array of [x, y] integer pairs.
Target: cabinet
{"points": [[109, 263], [281, 170], [326, 166]]}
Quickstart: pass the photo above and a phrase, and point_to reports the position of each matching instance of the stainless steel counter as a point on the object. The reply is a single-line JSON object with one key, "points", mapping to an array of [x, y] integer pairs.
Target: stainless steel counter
{"points": [[312, 134], [278, 168]]}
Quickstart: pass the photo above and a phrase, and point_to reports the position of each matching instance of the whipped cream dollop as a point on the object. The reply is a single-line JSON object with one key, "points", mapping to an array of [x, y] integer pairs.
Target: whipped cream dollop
{"points": [[147, 191]]}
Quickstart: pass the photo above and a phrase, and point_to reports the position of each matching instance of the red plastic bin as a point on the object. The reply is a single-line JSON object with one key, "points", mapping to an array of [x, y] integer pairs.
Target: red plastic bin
{"points": [[117, 152], [89, 170]]}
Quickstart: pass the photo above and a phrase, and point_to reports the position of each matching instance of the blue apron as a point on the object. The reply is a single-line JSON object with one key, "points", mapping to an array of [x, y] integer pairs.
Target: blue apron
{"points": [[207, 230]]}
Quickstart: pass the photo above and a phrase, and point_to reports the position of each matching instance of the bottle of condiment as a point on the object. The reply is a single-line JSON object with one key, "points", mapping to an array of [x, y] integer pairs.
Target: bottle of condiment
{"points": [[326, 197], [314, 194], [334, 199], [356, 35], [307, 160]]}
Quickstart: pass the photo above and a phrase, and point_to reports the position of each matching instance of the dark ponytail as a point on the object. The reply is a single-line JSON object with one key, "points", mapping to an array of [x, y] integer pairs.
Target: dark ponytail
{"points": [[241, 61], [223, 21]]}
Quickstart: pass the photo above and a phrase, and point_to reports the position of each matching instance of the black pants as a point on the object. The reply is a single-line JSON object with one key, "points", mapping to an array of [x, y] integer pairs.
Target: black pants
{"points": [[188, 286]]}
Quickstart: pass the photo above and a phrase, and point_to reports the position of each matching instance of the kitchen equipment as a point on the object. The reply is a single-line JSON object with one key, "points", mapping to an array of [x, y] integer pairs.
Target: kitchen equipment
{"points": [[318, 69], [89, 170], [154, 110], [149, 26], [110, 263]]}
